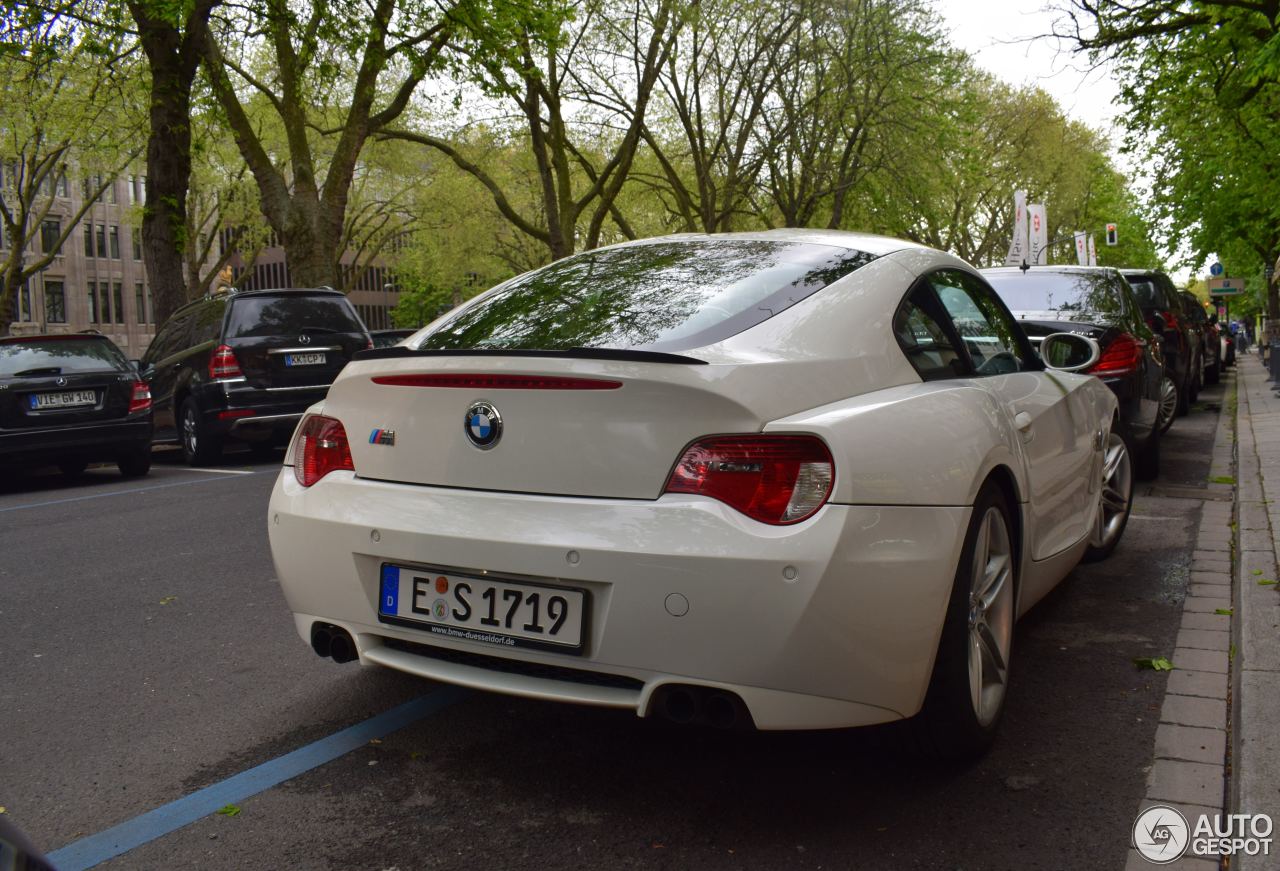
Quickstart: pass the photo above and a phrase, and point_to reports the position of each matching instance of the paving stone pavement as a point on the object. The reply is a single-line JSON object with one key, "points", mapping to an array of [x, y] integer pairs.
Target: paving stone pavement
{"points": [[1216, 749]]}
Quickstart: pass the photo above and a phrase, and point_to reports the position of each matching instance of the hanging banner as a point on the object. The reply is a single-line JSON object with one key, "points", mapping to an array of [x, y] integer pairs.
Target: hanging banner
{"points": [[1082, 248], [1018, 247], [1093, 252], [1039, 226]]}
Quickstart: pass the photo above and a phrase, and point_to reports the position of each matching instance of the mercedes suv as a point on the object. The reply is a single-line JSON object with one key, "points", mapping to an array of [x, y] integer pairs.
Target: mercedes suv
{"points": [[244, 366]]}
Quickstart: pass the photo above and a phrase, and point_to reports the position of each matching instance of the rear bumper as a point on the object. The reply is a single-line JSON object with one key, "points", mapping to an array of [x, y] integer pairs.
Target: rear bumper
{"points": [[97, 441], [255, 414], [833, 622]]}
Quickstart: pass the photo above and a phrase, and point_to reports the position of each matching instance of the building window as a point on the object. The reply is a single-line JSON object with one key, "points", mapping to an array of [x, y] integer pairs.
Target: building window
{"points": [[63, 187], [111, 191], [140, 302], [55, 302], [104, 302], [93, 304], [102, 240], [140, 188], [137, 244], [88, 240], [115, 242], [50, 230], [22, 303], [118, 296]]}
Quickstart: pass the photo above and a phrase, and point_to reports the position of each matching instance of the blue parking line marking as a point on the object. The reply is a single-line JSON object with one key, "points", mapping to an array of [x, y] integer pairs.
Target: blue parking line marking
{"points": [[125, 492], [142, 829]]}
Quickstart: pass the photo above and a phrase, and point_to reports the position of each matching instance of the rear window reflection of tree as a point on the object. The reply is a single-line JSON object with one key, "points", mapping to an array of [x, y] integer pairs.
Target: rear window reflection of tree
{"points": [[293, 315], [647, 295]]}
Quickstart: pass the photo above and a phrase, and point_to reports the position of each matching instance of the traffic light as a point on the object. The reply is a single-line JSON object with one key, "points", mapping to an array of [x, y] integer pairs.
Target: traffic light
{"points": [[1111, 234]]}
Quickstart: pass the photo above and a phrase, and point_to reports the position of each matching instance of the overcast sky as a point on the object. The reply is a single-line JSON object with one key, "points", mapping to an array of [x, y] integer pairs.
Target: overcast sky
{"points": [[1001, 37]]}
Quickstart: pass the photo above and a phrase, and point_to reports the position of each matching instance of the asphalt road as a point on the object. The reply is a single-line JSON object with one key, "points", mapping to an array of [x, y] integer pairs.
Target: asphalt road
{"points": [[147, 653]]}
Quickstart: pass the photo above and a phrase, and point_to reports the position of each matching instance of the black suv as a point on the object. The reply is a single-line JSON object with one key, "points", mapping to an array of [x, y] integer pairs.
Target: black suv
{"points": [[247, 365]]}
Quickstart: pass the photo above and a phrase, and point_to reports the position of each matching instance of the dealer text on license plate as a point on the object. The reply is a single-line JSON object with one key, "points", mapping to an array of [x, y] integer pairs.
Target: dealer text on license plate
{"points": [[64, 399], [512, 613], [310, 359]]}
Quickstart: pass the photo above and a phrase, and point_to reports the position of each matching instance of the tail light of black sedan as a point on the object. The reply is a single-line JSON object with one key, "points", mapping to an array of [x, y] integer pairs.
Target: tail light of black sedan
{"points": [[320, 447]]}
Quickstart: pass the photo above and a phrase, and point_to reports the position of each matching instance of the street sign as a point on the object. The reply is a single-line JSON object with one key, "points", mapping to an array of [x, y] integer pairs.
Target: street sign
{"points": [[1225, 286], [1215, 270]]}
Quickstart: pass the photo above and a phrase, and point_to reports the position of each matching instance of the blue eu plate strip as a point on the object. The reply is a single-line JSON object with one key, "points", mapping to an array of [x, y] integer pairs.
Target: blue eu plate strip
{"points": [[390, 602], [95, 849]]}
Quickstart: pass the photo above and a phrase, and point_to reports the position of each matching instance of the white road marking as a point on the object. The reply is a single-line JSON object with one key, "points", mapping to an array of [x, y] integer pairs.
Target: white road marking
{"points": [[222, 471]]}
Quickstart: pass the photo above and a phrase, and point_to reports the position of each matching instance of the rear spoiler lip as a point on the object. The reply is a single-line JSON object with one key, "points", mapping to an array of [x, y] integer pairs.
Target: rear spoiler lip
{"points": [[613, 354]]}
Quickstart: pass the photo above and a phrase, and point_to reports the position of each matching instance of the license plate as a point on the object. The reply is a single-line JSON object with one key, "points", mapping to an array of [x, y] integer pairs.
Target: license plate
{"points": [[64, 399], [470, 608], [311, 359]]}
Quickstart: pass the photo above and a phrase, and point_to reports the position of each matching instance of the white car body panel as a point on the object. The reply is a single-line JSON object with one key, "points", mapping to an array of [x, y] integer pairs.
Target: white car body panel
{"points": [[833, 621]]}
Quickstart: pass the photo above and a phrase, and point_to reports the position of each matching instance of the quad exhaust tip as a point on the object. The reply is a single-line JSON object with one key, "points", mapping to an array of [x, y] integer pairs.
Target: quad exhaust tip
{"points": [[332, 642]]}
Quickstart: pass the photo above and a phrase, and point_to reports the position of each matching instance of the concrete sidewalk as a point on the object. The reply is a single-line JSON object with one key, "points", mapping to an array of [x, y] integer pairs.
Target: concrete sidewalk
{"points": [[1254, 782]]}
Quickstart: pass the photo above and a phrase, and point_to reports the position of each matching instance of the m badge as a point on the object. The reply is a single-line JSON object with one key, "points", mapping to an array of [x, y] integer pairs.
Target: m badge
{"points": [[383, 437]]}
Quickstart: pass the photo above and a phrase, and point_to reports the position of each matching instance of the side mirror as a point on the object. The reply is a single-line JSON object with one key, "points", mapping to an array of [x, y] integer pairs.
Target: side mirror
{"points": [[1069, 352]]}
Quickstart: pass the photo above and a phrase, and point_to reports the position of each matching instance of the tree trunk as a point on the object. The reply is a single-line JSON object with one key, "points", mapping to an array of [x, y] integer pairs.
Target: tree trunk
{"points": [[173, 60]]}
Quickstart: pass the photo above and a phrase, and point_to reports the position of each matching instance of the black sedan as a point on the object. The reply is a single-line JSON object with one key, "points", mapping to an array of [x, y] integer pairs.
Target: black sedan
{"points": [[1097, 302], [71, 400]]}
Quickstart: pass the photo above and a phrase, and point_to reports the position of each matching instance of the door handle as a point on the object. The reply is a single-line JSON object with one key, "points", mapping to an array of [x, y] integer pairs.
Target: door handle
{"points": [[1022, 421]]}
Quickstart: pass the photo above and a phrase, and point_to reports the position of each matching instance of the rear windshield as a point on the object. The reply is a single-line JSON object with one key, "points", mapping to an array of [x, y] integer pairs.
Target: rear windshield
{"points": [[292, 315], [59, 356], [1067, 293], [666, 296]]}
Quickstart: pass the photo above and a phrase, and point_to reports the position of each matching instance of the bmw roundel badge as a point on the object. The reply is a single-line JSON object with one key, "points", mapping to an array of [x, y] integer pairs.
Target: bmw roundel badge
{"points": [[483, 425]]}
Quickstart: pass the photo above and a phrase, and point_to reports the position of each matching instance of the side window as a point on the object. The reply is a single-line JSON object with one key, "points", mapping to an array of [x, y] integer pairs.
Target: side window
{"points": [[169, 340], [920, 326], [208, 322], [987, 329]]}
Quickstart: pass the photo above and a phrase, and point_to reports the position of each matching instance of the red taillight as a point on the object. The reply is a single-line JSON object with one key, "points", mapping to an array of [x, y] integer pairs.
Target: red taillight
{"points": [[223, 363], [776, 479], [1121, 357], [320, 447], [497, 382], [140, 399]]}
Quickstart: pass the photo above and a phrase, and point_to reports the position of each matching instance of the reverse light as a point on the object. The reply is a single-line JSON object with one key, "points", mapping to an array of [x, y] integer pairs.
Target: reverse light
{"points": [[223, 363], [776, 479], [140, 399], [320, 447], [1121, 357]]}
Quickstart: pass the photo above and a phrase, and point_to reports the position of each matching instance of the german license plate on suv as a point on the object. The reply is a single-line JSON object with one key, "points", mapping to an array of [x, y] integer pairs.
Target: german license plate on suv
{"points": [[62, 399], [494, 611], [313, 358]]}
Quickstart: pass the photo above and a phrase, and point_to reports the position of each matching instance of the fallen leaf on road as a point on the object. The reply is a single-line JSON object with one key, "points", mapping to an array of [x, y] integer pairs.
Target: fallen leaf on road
{"points": [[229, 811], [1225, 612], [3, 809], [1156, 663], [1257, 571], [168, 600], [1266, 583], [375, 740]]}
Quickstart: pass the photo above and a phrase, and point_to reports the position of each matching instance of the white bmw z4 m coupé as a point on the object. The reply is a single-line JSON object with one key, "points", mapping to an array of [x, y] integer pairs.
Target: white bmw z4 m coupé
{"points": [[784, 480]]}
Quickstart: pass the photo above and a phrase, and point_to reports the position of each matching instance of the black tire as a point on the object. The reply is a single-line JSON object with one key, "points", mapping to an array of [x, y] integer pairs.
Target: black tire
{"points": [[135, 463], [1146, 459], [1170, 400], [1185, 395], [948, 727], [1197, 383], [72, 470], [199, 446], [1115, 488]]}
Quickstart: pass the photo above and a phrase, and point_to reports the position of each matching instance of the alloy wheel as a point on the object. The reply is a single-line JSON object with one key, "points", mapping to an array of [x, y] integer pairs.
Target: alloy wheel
{"points": [[189, 438], [1168, 403], [1114, 498], [990, 616]]}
